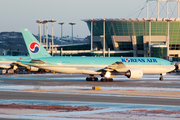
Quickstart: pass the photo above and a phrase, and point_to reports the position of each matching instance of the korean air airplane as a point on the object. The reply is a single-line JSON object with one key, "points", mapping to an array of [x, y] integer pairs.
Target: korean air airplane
{"points": [[12, 62], [6, 61], [106, 67]]}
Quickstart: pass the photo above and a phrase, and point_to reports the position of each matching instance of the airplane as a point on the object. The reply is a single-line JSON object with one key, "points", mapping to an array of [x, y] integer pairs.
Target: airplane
{"points": [[106, 67], [10, 62], [6, 61]]}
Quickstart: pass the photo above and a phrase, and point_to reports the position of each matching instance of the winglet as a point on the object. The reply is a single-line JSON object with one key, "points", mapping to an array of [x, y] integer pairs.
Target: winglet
{"points": [[35, 49]]}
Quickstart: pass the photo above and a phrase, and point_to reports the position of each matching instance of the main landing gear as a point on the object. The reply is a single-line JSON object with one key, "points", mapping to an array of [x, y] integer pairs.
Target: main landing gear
{"points": [[161, 78], [91, 78], [106, 79]]}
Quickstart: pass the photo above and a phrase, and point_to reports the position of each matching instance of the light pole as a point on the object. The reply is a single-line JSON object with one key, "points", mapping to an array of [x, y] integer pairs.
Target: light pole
{"points": [[52, 21], [72, 23], [39, 29], [46, 21], [61, 23]]}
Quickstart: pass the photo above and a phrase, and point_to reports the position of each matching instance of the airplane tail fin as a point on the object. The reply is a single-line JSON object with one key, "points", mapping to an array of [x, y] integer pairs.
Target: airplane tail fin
{"points": [[35, 49]]}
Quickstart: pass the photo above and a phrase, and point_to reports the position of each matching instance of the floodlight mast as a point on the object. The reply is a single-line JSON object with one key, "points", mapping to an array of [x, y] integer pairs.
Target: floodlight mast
{"points": [[46, 21], [52, 21], [61, 23], [72, 23], [39, 29]]}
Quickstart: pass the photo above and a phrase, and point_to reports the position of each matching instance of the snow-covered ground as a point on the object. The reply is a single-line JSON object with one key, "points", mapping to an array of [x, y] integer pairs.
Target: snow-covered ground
{"points": [[111, 111], [105, 91], [77, 77], [5, 87]]}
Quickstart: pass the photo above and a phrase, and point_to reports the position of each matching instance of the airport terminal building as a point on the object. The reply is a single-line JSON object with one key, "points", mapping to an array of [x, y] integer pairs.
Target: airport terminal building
{"points": [[138, 35]]}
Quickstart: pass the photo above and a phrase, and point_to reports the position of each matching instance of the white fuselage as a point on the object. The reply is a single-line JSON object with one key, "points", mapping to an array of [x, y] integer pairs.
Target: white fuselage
{"points": [[91, 69]]}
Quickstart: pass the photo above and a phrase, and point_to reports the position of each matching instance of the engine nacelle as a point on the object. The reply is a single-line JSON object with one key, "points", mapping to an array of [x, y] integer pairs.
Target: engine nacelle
{"points": [[31, 68], [134, 73]]}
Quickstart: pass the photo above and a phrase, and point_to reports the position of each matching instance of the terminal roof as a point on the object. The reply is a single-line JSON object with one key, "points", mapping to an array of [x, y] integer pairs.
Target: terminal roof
{"points": [[131, 19]]}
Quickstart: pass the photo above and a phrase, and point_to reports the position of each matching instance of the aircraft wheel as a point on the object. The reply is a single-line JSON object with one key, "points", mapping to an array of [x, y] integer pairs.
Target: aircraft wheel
{"points": [[106, 79], [88, 79], [161, 78], [103, 79], [96, 79], [111, 80], [91, 79]]}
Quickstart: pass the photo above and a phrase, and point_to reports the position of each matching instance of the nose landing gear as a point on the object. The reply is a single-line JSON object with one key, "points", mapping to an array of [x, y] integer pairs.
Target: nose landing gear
{"points": [[161, 78], [106, 79], [91, 78]]}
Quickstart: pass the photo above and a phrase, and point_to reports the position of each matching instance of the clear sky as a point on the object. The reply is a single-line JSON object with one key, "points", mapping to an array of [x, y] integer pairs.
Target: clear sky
{"points": [[17, 14]]}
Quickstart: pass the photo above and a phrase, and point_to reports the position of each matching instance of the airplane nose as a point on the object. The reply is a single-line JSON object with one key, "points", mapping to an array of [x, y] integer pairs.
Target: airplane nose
{"points": [[173, 67], [177, 67]]}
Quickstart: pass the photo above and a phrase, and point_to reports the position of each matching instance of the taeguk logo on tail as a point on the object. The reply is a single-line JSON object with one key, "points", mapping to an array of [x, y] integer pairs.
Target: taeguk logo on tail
{"points": [[34, 47]]}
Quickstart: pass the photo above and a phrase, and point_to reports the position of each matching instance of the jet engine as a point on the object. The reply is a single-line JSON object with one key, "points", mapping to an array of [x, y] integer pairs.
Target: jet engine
{"points": [[31, 68], [134, 73]]}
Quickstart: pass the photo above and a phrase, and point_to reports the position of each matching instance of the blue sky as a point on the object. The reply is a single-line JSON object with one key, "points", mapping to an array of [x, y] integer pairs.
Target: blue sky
{"points": [[17, 14]]}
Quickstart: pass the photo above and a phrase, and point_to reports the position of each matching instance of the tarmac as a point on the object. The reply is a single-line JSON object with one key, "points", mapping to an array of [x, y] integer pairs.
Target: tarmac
{"points": [[74, 89]]}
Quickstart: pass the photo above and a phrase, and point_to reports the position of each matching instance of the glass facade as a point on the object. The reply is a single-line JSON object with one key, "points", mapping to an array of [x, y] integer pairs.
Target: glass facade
{"points": [[125, 46], [160, 52], [139, 29], [174, 42]]}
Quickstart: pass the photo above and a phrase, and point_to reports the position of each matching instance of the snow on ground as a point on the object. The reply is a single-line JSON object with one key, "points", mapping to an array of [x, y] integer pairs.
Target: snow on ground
{"points": [[112, 111], [120, 111], [7, 87], [105, 91], [75, 77]]}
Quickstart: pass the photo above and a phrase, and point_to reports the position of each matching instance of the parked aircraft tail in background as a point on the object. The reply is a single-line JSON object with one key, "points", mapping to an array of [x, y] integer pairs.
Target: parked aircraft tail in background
{"points": [[35, 49]]}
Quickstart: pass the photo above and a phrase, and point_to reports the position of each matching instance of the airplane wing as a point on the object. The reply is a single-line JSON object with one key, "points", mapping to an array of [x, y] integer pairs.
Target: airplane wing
{"points": [[117, 66], [6, 62], [37, 61], [5, 65], [26, 65]]}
